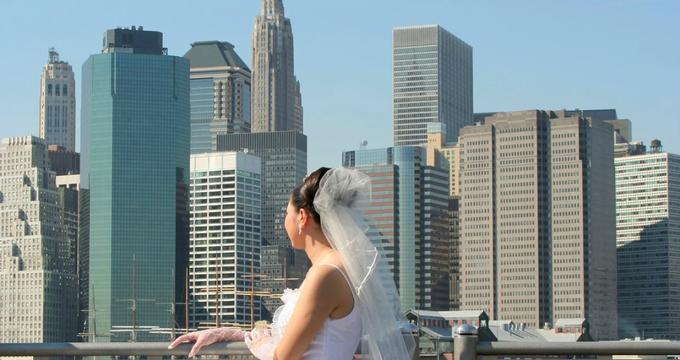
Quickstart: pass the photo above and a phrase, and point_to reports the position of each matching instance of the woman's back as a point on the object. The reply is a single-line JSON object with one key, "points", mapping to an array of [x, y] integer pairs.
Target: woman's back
{"points": [[337, 339]]}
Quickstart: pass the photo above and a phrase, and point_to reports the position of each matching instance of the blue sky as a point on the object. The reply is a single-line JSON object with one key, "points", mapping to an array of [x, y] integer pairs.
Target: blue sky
{"points": [[621, 54]]}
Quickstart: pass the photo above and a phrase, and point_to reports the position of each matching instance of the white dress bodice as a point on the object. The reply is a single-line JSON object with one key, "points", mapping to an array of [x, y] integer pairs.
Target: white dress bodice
{"points": [[338, 339]]}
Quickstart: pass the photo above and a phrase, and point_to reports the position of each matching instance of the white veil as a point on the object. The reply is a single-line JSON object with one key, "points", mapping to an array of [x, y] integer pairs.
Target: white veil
{"points": [[340, 199]]}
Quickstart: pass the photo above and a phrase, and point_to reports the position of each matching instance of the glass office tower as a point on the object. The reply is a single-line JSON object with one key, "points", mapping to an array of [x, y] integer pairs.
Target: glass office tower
{"points": [[135, 171]]}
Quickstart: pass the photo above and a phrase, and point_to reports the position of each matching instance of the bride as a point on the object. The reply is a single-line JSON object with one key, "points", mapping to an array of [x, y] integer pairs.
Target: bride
{"points": [[348, 296]]}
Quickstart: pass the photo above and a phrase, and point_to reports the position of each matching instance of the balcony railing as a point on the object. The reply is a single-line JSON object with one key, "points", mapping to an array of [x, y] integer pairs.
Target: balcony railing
{"points": [[465, 347], [117, 349]]}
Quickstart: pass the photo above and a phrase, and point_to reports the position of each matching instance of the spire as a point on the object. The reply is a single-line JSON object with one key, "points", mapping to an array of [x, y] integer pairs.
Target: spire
{"points": [[272, 8]]}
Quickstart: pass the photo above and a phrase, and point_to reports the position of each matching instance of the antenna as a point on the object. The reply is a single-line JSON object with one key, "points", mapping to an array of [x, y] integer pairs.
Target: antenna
{"points": [[92, 319], [133, 301], [186, 299]]}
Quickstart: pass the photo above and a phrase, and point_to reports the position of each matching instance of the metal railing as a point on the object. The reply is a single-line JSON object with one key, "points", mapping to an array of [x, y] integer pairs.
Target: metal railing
{"points": [[117, 349], [467, 347]]}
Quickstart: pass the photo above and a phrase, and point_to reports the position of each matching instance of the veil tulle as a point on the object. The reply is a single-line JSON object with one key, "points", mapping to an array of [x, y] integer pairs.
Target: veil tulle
{"points": [[340, 199]]}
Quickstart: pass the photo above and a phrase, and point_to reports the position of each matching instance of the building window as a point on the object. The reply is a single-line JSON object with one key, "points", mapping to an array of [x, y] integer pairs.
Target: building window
{"points": [[49, 89]]}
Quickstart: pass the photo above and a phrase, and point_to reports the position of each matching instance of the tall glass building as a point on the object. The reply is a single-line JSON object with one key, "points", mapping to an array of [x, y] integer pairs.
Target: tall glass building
{"points": [[134, 178], [409, 215], [647, 245], [220, 93], [432, 82]]}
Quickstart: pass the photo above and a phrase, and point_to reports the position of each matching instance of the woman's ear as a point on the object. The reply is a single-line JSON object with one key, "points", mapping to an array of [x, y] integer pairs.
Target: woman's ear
{"points": [[304, 215]]}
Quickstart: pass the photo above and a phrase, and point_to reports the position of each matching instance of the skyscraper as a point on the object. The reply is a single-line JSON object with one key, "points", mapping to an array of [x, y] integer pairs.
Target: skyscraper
{"points": [[68, 191], [225, 205], [409, 214], [134, 185], [58, 103], [277, 102], [283, 157], [432, 82], [447, 156], [537, 219], [38, 284], [647, 238], [220, 93]]}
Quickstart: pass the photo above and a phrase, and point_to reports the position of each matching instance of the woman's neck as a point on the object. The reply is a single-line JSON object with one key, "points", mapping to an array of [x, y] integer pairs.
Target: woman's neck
{"points": [[317, 247]]}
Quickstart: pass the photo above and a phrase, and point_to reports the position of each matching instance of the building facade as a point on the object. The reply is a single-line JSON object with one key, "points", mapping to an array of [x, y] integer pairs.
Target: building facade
{"points": [[220, 93], [647, 238], [537, 215], [277, 102], [38, 282], [284, 165], [432, 82], [134, 186], [224, 262], [410, 221], [447, 156], [63, 161], [58, 103], [68, 189]]}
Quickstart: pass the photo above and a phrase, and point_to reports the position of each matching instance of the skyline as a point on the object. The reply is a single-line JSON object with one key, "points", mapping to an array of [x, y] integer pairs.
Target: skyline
{"points": [[622, 60]]}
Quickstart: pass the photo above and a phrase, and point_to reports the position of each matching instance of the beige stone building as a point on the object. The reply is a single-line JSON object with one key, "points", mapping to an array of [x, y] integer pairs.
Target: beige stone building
{"points": [[58, 103], [276, 98], [538, 219], [38, 284]]}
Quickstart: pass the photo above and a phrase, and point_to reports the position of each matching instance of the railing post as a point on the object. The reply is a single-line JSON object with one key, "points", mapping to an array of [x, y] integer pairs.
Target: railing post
{"points": [[465, 343]]}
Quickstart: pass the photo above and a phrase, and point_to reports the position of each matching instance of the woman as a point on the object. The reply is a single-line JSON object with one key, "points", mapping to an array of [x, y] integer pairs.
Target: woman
{"points": [[348, 292]]}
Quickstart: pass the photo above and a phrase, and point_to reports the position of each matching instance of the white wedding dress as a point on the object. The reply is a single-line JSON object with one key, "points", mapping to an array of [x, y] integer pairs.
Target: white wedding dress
{"points": [[338, 339]]}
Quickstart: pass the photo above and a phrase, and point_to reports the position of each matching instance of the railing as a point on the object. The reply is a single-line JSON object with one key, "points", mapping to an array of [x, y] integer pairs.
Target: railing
{"points": [[467, 347], [117, 349]]}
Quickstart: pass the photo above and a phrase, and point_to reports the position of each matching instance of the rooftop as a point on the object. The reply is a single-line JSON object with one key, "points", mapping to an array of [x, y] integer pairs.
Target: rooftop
{"points": [[214, 54]]}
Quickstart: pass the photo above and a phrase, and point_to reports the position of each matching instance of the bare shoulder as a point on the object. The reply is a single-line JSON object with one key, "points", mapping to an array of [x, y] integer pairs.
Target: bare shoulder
{"points": [[321, 273], [335, 259], [324, 276]]}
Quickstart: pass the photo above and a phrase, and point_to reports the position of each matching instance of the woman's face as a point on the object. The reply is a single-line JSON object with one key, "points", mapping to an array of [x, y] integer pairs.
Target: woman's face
{"points": [[291, 224]]}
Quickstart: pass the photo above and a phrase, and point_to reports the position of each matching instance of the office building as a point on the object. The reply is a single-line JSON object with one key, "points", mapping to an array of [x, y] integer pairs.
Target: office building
{"points": [[537, 219], [647, 238], [224, 263], [432, 82], [38, 284], [134, 187], [58, 103], [277, 102], [220, 93]]}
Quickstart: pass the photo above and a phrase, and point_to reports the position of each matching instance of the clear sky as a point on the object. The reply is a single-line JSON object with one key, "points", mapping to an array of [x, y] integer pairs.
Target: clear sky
{"points": [[587, 54]]}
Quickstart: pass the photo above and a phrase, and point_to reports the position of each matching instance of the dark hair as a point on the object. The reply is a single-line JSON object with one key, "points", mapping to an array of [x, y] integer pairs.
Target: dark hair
{"points": [[302, 197]]}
